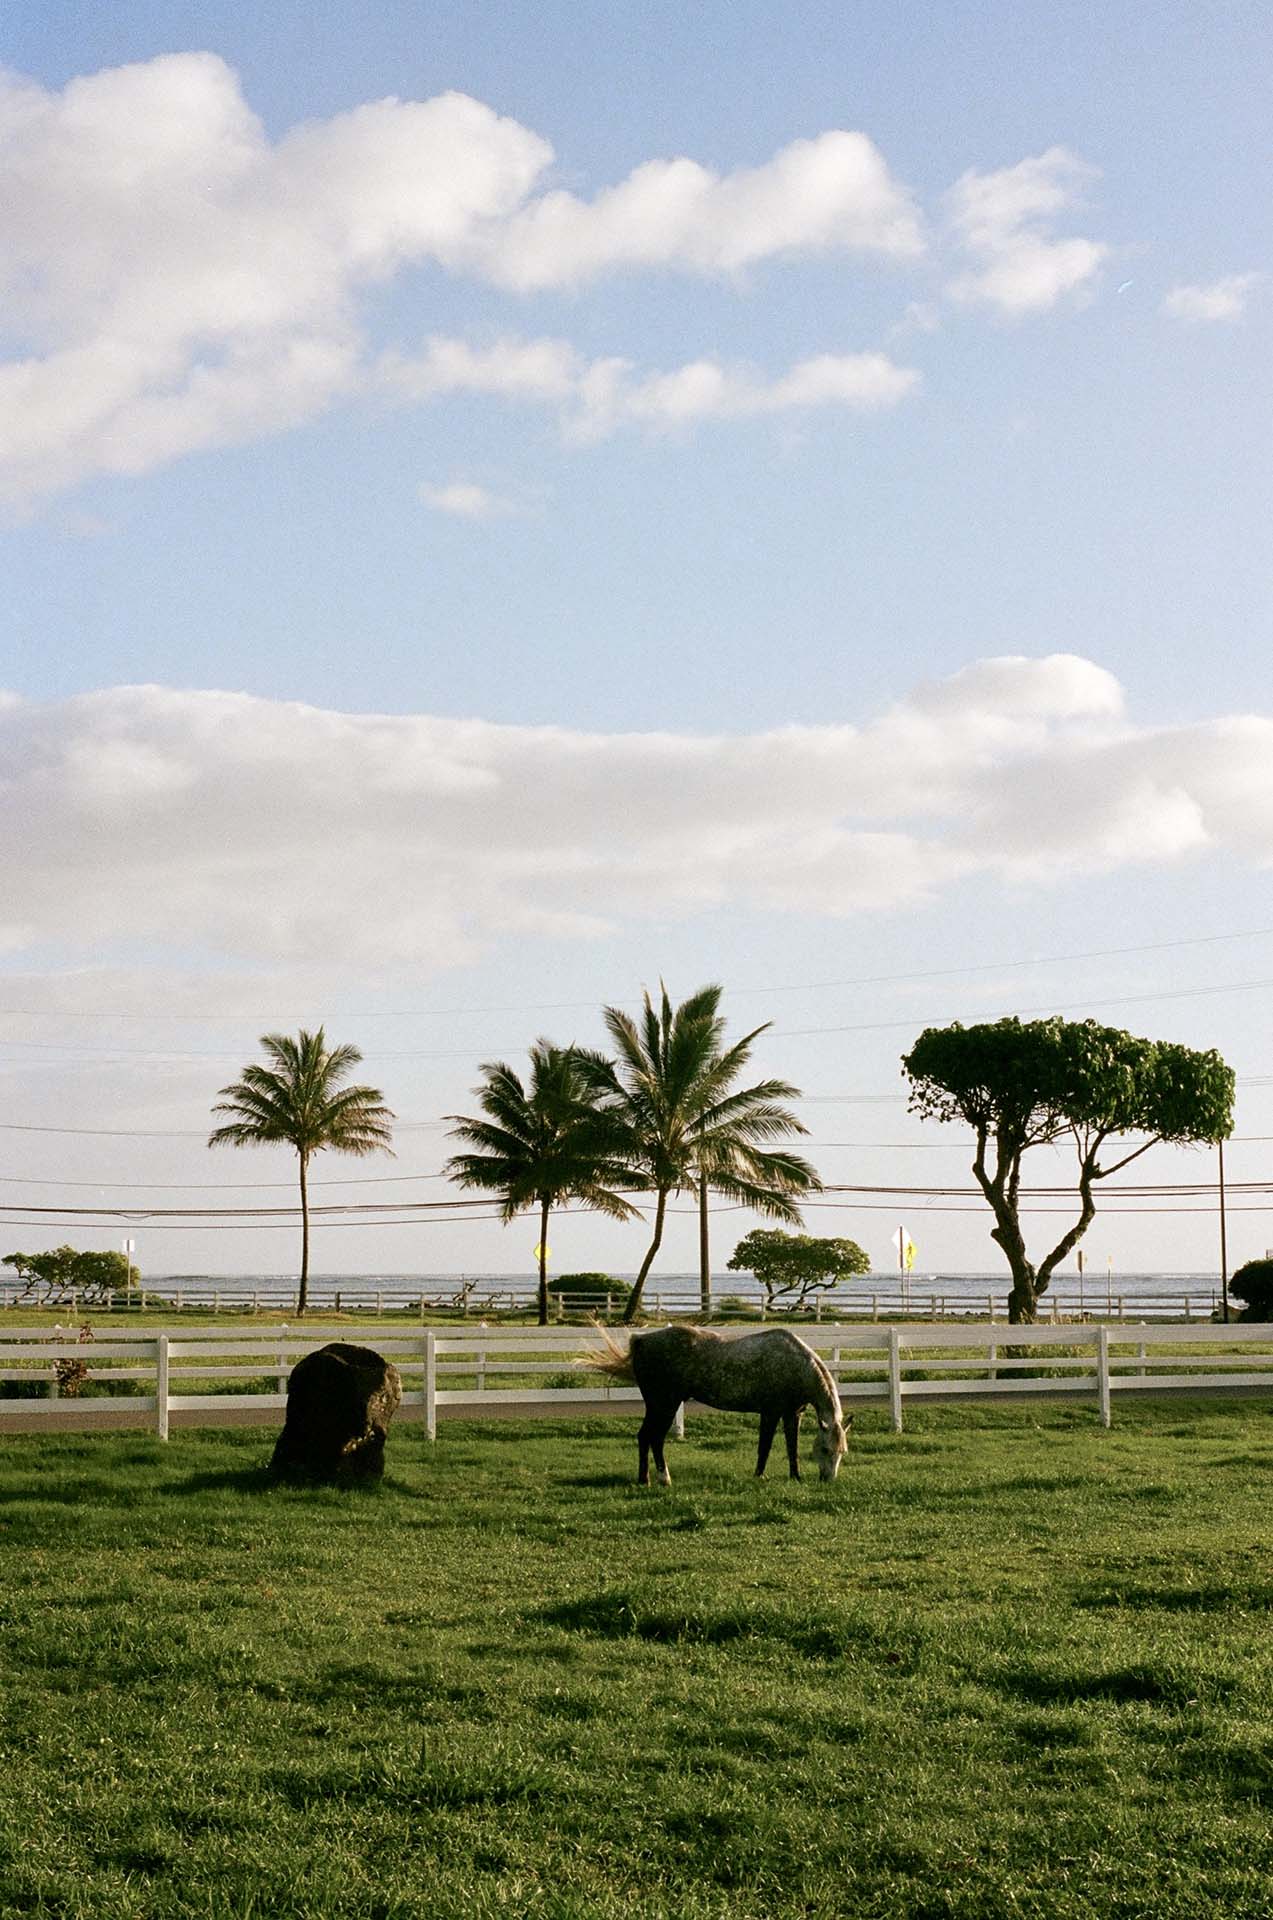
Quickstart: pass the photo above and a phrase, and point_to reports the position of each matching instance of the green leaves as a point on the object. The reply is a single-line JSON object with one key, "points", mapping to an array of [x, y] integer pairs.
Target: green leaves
{"points": [[796, 1263], [1021, 1084], [1031, 1081], [299, 1101]]}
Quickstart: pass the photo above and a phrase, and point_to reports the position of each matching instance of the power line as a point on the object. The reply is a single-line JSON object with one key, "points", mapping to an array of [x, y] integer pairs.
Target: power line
{"points": [[569, 1006], [778, 1033]]}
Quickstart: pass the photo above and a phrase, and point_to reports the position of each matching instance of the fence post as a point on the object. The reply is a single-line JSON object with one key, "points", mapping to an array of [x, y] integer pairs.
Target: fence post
{"points": [[678, 1425], [990, 1307], [430, 1385], [1102, 1372], [161, 1386], [875, 1307], [895, 1377], [480, 1369], [992, 1354], [1188, 1310]]}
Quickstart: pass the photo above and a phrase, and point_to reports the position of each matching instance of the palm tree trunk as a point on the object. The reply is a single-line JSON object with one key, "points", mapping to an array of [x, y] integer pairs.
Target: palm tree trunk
{"points": [[544, 1208], [633, 1307], [302, 1297], [704, 1251]]}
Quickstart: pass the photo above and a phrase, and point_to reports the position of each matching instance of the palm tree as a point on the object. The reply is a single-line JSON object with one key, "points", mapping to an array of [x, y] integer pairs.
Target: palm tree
{"points": [[542, 1144], [299, 1099], [681, 1120]]}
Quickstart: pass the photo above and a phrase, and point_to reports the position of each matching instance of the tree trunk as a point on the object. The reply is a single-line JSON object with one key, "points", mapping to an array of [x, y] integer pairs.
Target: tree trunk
{"points": [[545, 1207], [302, 1297], [1001, 1191], [704, 1252], [633, 1307]]}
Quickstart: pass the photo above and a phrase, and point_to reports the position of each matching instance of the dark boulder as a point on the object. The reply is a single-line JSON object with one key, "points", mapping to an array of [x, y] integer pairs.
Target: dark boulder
{"points": [[340, 1400]]}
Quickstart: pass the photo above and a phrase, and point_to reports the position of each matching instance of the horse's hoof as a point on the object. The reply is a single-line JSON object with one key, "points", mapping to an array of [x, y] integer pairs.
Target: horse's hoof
{"points": [[665, 1479]]}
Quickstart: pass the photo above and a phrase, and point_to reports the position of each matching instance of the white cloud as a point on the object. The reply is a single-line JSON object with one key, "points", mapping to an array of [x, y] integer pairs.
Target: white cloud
{"points": [[172, 279], [177, 281], [466, 500], [278, 834], [1003, 220], [596, 397], [830, 194], [1219, 300]]}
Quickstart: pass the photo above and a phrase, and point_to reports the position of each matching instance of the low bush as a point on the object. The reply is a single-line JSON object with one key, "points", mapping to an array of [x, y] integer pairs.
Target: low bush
{"points": [[1254, 1284], [590, 1290]]}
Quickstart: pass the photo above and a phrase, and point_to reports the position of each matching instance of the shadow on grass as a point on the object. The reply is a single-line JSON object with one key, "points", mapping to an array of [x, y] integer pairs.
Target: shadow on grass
{"points": [[622, 1615], [1231, 1598], [256, 1479], [1140, 1684]]}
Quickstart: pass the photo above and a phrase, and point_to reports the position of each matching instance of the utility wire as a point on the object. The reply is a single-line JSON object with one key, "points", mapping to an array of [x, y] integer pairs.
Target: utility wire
{"points": [[778, 1033], [569, 1006]]}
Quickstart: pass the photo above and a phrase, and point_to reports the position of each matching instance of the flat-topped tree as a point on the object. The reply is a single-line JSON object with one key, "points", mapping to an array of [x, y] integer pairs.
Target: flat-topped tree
{"points": [[299, 1101], [1022, 1084]]}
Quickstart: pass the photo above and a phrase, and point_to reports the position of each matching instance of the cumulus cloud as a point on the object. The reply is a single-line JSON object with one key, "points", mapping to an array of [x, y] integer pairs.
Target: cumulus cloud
{"points": [[598, 396], [1219, 300], [173, 279], [830, 194], [1003, 220], [273, 833], [179, 281]]}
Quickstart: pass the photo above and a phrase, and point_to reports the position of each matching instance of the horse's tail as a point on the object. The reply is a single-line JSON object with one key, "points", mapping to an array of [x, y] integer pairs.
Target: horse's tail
{"points": [[609, 1357]]}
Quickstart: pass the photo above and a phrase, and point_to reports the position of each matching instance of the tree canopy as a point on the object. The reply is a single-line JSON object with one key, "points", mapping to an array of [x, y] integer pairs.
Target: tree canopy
{"points": [[791, 1266], [540, 1143], [299, 1101], [62, 1271], [680, 1115], [1023, 1084]]}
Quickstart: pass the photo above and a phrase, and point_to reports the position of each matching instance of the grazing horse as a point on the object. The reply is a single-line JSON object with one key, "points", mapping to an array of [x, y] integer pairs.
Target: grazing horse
{"points": [[772, 1373]]}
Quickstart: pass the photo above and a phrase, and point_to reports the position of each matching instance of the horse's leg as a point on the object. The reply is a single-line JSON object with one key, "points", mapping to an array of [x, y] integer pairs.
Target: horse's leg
{"points": [[643, 1451], [768, 1428], [654, 1428], [660, 1426], [791, 1427]]}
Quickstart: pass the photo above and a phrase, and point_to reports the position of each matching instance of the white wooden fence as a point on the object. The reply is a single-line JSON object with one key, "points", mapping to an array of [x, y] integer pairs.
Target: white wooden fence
{"points": [[498, 1371], [921, 1297]]}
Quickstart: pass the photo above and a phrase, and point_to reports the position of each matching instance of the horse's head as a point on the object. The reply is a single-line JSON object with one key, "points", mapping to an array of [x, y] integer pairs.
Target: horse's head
{"points": [[829, 1447]]}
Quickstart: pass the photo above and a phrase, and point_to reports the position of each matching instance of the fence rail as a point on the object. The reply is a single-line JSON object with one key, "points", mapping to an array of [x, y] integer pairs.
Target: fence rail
{"points": [[927, 1298], [461, 1371]]}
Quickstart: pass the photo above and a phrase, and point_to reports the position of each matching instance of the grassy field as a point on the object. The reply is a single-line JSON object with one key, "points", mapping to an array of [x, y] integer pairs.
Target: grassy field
{"points": [[1008, 1665]]}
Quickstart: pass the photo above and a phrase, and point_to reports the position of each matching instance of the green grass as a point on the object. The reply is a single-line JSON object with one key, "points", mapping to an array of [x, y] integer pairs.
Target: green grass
{"points": [[1008, 1665]]}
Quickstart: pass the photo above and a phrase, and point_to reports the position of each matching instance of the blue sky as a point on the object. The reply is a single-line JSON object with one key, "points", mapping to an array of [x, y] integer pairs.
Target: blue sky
{"points": [[949, 344]]}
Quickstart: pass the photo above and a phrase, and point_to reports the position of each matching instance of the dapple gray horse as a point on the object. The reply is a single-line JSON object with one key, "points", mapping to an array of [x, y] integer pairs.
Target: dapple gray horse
{"points": [[772, 1373]]}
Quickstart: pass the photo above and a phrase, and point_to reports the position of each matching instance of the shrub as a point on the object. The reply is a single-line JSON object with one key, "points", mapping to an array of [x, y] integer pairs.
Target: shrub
{"points": [[1254, 1284], [590, 1290]]}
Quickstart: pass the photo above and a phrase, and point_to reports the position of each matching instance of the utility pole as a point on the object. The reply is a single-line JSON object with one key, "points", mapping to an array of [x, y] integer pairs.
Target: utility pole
{"points": [[704, 1250], [1224, 1246]]}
